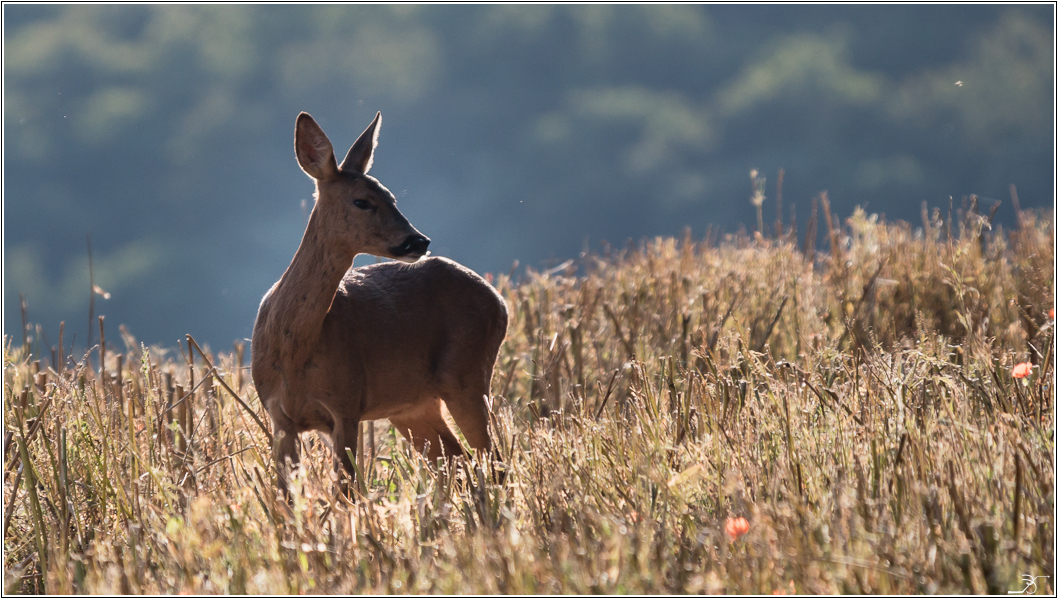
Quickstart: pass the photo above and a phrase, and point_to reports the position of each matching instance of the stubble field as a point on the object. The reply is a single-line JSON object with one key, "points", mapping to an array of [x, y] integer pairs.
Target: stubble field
{"points": [[742, 414]]}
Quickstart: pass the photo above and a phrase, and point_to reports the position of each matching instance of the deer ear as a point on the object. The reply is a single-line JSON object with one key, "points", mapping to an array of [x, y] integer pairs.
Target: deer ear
{"points": [[360, 156], [313, 149]]}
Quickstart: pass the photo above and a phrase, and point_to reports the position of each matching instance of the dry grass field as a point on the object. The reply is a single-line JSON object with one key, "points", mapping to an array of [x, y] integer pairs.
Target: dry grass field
{"points": [[739, 414]]}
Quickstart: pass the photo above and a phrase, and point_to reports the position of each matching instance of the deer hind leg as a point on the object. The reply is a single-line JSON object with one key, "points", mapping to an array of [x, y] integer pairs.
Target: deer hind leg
{"points": [[467, 402], [472, 416], [428, 432]]}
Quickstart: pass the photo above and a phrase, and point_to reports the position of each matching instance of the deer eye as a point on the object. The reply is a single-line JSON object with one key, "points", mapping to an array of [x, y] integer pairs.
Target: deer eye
{"points": [[363, 204]]}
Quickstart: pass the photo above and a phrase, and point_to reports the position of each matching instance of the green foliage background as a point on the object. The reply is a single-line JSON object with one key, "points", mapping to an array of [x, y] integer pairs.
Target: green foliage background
{"points": [[510, 132]]}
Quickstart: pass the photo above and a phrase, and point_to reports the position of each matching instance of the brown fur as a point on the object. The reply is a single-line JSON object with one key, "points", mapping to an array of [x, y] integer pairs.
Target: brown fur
{"points": [[333, 346]]}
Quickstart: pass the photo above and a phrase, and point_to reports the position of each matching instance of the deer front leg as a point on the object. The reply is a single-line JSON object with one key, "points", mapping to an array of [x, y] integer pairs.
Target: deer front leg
{"points": [[344, 439], [284, 450]]}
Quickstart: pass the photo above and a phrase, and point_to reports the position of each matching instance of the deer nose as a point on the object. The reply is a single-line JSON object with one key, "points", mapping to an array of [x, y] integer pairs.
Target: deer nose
{"points": [[414, 245]]}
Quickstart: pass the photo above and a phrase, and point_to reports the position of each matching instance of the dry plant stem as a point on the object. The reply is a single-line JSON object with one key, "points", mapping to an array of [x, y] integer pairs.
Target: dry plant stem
{"points": [[808, 249], [231, 391], [91, 290], [606, 396], [859, 302], [778, 205], [190, 393], [102, 351], [771, 327], [1017, 499], [1016, 204], [715, 335], [618, 329], [10, 511], [35, 509]]}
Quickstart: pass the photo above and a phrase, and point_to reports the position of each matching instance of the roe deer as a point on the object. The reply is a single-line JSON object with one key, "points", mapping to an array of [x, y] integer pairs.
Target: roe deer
{"points": [[334, 345]]}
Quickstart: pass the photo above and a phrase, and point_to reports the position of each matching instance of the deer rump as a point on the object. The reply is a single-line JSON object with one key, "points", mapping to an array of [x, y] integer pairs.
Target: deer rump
{"points": [[422, 329]]}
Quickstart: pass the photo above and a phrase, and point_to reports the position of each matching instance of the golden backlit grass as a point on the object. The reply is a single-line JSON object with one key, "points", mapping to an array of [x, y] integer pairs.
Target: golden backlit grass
{"points": [[857, 408]]}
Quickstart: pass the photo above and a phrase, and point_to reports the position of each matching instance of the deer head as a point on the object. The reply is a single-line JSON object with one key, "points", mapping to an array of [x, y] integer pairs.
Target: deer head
{"points": [[355, 212]]}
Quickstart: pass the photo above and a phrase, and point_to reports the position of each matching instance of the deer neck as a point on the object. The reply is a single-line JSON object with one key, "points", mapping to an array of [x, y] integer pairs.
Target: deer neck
{"points": [[302, 297]]}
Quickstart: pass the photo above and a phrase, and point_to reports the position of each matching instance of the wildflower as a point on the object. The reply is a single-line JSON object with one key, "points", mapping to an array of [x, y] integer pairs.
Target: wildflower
{"points": [[736, 527], [1022, 370], [1050, 313]]}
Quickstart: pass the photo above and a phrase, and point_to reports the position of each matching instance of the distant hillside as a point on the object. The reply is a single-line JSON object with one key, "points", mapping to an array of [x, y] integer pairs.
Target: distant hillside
{"points": [[510, 133]]}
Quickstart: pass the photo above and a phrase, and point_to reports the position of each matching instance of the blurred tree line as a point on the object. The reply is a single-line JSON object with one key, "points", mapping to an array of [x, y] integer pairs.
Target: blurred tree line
{"points": [[510, 132]]}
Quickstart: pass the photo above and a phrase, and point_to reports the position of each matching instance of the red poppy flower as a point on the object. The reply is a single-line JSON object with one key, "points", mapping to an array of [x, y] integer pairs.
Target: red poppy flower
{"points": [[736, 527]]}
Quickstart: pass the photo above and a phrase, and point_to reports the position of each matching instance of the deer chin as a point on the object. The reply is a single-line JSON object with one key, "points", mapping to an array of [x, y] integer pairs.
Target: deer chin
{"points": [[411, 258]]}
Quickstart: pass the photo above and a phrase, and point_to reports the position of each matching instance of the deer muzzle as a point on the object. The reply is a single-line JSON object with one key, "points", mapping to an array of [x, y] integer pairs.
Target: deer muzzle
{"points": [[413, 248]]}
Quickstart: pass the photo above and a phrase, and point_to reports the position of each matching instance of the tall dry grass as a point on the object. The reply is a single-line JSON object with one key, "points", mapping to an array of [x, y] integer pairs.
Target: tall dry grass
{"points": [[857, 408]]}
